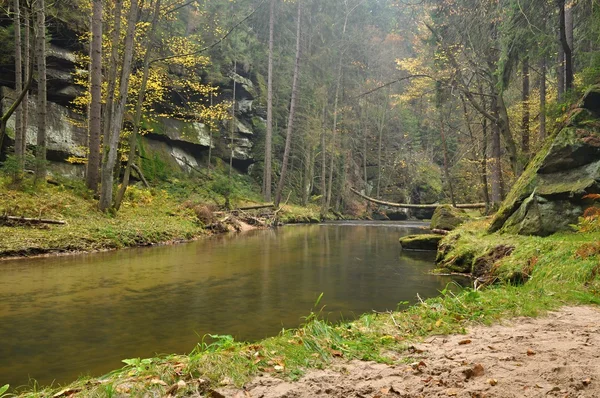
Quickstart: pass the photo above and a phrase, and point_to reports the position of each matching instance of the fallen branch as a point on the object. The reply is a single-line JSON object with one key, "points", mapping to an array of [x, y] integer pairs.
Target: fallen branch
{"points": [[416, 206], [32, 220], [255, 207], [139, 172]]}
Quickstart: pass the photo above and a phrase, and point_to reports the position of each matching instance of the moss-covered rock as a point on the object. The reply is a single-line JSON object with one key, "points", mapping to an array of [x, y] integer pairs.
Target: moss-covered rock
{"points": [[549, 196], [448, 218], [420, 242]]}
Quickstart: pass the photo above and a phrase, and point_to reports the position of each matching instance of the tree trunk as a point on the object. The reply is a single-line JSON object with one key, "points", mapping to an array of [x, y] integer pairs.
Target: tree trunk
{"points": [[138, 108], [496, 160], [40, 152], [525, 104], [232, 127], [504, 127], [446, 161], [210, 140], [365, 139], [543, 99], [569, 24], [28, 66], [110, 159], [323, 166], [380, 139], [267, 184], [112, 73], [95, 118], [19, 131], [290, 126], [568, 68], [484, 178]]}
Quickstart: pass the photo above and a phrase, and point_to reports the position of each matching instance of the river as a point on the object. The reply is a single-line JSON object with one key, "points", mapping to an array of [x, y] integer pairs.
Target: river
{"points": [[61, 317]]}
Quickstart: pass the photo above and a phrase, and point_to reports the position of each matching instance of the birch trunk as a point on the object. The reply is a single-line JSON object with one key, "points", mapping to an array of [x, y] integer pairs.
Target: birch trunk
{"points": [[290, 125]]}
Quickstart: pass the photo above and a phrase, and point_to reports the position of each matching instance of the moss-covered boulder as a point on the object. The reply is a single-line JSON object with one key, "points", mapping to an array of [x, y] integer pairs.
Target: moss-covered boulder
{"points": [[420, 242], [448, 218], [549, 196]]}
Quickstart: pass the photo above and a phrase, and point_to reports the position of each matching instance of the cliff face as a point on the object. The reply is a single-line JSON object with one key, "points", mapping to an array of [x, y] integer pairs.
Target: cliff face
{"points": [[550, 195], [178, 143]]}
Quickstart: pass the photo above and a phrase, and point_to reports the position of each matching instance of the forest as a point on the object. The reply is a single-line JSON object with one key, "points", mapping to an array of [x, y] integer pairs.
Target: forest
{"points": [[468, 128]]}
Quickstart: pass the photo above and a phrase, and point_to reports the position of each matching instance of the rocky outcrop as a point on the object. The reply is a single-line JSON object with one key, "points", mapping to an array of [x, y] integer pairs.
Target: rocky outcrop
{"points": [[178, 143], [549, 196], [427, 242], [448, 218]]}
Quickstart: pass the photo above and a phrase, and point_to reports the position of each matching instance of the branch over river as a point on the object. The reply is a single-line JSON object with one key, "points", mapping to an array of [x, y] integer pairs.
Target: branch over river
{"points": [[417, 206]]}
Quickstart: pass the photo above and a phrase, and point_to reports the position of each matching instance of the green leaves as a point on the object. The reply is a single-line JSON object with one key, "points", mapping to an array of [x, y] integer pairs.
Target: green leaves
{"points": [[3, 389]]}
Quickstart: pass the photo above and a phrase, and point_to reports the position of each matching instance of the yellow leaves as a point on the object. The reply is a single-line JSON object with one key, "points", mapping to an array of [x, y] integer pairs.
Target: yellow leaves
{"points": [[188, 49], [76, 160]]}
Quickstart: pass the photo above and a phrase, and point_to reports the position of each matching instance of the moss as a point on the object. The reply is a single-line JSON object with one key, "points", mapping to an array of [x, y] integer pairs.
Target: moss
{"points": [[447, 217], [420, 242]]}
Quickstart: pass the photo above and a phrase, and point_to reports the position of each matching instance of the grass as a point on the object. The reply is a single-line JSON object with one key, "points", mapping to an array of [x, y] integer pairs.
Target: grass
{"points": [[562, 269]]}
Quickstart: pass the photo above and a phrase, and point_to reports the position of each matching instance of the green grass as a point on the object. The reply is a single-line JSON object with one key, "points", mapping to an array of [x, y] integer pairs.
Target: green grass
{"points": [[562, 269]]}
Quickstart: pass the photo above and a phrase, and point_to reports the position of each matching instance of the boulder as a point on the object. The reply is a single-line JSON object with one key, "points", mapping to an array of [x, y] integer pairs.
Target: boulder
{"points": [[420, 242], [549, 195], [448, 218]]}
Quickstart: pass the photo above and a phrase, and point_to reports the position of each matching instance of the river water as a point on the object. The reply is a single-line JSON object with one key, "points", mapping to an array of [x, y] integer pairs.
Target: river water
{"points": [[61, 317]]}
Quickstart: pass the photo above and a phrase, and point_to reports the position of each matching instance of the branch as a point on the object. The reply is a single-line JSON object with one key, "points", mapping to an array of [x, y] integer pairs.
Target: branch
{"points": [[416, 206]]}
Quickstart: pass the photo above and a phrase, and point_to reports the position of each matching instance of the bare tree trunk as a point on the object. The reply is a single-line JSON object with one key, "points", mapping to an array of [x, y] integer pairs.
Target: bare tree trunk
{"points": [[28, 66], [568, 69], [138, 108], [267, 183], [380, 135], [95, 119], [210, 140], [446, 161], [569, 24], [290, 126], [19, 131], [112, 73], [496, 160], [323, 166], [484, 178], [307, 173], [560, 70], [106, 191], [40, 152], [504, 127], [525, 104], [543, 98], [232, 125]]}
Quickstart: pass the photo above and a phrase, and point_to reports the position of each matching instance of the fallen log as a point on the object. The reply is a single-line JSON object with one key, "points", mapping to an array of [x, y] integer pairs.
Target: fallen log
{"points": [[32, 220], [416, 206], [255, 207]]}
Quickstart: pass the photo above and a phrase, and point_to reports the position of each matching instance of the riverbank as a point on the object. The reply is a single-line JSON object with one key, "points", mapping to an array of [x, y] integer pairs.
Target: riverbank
{"points": [[174, 213], [562, 270]]}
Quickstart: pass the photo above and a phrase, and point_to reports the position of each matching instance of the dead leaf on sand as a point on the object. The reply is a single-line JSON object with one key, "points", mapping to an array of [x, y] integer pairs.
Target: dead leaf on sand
{"points": [[464, 342]]}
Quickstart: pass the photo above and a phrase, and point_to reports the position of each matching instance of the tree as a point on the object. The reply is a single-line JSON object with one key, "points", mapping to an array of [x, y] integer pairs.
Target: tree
{"points": [[116, 122], [292, 114], [19, 130], [95, 116], [269, 133], [138, 107], [40, 151]]}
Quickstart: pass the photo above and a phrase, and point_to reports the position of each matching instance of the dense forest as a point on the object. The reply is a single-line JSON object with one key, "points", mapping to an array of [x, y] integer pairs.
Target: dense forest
{"points": [[408, 102]]}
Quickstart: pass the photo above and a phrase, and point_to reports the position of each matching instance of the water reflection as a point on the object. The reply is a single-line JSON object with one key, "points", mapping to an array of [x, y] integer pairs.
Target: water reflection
{"points": [[64, 316]]}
